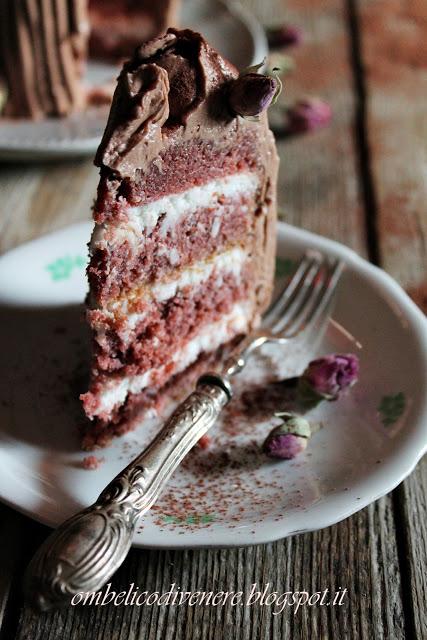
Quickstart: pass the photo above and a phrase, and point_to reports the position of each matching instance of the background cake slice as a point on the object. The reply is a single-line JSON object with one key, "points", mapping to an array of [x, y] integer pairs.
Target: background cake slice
{"points": [[118, 26], [182, 254], [44, 48]]}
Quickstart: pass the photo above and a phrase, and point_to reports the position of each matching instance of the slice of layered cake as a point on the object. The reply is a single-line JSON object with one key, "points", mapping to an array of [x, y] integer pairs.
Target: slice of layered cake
{"points": [[182, 254], [44, 48]]}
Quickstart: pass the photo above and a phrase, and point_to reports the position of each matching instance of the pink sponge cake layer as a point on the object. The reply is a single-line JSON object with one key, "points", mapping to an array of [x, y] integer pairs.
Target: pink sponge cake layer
{"points": [[150, 241], [135, 336], [182, 254], [189, 164]]}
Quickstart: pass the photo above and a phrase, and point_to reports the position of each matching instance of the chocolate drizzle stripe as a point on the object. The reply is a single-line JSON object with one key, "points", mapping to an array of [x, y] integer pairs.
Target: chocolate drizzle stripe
{"points": [[29, 79], [63, 43], [39, 53], [55, 86], [38, 74]]}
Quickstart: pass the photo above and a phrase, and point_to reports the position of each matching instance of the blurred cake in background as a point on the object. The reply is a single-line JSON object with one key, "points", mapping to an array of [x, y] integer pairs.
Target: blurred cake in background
{"points": [[183, 250], [118, 26], [44, 47]]}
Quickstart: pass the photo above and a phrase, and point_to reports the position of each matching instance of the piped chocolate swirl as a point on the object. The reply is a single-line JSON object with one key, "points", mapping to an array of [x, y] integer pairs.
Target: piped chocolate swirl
{"points": [[42, 50]]}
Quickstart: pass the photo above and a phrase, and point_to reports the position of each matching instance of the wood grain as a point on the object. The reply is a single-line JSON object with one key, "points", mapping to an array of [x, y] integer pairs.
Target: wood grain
{"points": [[394, 57], [326, 559], [318, 180], [42, 198], [393, 36], [19, 536]]}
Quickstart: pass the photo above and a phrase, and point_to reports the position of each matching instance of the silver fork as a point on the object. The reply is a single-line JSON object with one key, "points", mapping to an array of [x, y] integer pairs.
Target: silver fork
{"points": [[84, 552]]}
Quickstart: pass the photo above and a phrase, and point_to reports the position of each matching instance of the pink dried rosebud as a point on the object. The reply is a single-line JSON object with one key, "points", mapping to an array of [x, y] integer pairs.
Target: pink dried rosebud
{"points": [[284, 36], [288, 439], [325, 378], [252, 93], [308, 114]]}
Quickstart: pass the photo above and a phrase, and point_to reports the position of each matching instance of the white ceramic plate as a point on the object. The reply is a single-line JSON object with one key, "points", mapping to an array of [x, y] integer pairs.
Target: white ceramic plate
{"points": [[228, 494], [228, 26]]}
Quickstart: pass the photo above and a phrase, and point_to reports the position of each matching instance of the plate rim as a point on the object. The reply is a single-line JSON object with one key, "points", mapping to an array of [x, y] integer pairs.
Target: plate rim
{"points": [[382, 480]]}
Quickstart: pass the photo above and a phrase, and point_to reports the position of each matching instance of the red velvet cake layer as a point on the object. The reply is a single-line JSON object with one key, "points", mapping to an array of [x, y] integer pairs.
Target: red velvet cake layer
{"points": [[109, 391], [118, 264], [188, 165], [126, 417], [164, 326]]}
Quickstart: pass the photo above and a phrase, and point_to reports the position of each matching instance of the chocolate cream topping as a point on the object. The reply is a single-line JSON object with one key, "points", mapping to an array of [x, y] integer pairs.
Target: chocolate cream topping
{"points": [[173, 89]]}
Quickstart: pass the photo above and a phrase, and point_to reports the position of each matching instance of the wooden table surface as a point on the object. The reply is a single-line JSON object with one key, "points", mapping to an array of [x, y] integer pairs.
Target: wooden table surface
{"points": [[363, 182]]}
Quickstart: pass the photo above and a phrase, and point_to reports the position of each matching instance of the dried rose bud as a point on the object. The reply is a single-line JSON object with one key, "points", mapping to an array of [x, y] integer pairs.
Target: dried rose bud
{"points": [[252, 93], [288, 439], [325, 378], [284, 36], [308, 114]]}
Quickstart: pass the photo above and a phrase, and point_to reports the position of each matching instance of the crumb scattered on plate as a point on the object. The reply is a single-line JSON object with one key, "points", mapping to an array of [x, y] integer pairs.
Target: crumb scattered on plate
{"points": [[90, 463]]}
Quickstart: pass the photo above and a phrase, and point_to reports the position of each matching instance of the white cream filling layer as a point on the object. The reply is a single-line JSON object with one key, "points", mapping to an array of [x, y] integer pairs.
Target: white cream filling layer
{"points": [[223, 264], [172, 209], [208, 339], [227, 263]]}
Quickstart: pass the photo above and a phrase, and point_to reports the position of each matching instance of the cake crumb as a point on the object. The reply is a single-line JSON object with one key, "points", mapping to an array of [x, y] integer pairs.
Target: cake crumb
{"points": [[204, 442], [90, 463]]}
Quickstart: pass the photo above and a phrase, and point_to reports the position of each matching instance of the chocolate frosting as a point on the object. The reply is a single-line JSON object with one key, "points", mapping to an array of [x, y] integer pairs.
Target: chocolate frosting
{"points": [[42, 49], [143, 98], [191, 79]]}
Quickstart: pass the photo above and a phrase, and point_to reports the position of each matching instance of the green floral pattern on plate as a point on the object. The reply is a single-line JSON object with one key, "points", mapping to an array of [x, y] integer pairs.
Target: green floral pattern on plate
{"points": [[391, 408], [62, 268]]}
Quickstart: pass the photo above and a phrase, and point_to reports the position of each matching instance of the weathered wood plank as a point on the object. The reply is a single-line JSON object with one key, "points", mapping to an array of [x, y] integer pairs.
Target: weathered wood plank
{"points": [[19, 537], [17, 186], [330, 558], [394, 56], [395, 61], [35, 200], [411, 503], [318, 180], [10, 543]]}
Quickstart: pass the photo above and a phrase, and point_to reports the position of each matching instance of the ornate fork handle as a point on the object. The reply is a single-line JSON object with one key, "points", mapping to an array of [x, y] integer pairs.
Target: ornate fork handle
{"points": [[84, 552]]}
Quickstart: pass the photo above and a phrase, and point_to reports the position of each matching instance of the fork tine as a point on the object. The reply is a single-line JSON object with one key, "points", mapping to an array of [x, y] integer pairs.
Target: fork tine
{"points": [[299, 300], [318, 310], [278, 306], [289, 325], [315, 304], [302, 318]]}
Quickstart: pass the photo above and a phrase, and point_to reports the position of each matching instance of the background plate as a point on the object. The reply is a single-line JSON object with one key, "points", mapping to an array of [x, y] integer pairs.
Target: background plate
{"points": [[228, 494], [228, 26]]}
